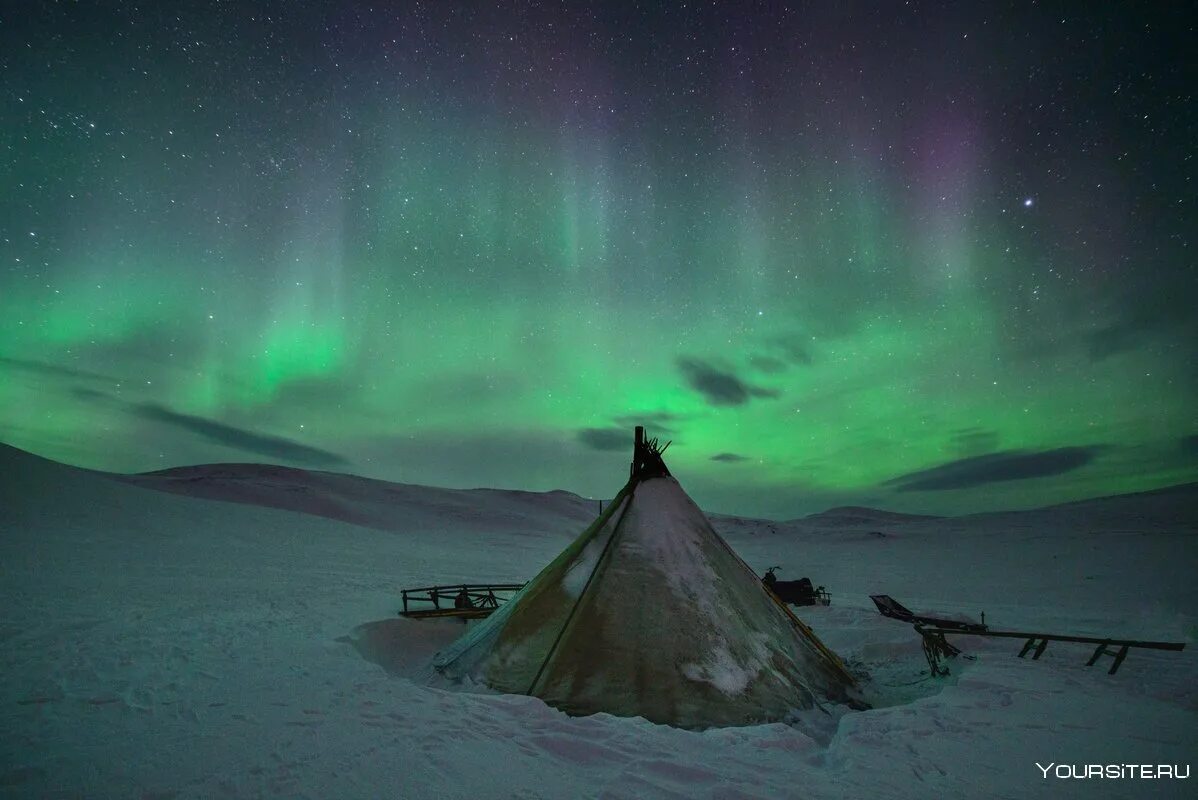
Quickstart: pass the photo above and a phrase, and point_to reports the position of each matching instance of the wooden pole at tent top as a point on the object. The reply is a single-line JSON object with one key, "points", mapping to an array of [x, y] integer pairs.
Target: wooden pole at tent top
{"points": [[637, 450]]}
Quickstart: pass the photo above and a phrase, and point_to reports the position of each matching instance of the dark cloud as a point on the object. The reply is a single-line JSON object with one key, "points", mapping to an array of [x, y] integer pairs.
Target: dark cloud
{"points": [[160, 345], [766, 364], [606, 438], [54, 370], [795, 348], [654, 422], [1141, 318], [533, 459], [729, 458], [974, 441], [1117, 337], [1189, 444], [719, 387], [1012, 465], [227, 435], [84, 393], [239, 438]]}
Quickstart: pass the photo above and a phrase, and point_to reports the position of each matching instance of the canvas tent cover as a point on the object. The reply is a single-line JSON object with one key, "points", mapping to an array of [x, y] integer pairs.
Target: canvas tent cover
{"points": [[650, 613]]}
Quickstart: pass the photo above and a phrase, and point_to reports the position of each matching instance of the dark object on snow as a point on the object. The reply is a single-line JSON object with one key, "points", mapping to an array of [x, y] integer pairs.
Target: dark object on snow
{"points": [[470, 600], [797, 593], [936, 647], [463, 600], [895, 610]]}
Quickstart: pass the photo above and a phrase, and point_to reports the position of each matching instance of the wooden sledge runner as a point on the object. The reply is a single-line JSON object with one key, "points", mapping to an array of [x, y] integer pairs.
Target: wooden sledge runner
{"points": [[935, 646]]}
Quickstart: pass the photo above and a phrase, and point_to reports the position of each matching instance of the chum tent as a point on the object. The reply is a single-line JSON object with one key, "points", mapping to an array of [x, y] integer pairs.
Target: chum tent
{"points": [[650, 613]]}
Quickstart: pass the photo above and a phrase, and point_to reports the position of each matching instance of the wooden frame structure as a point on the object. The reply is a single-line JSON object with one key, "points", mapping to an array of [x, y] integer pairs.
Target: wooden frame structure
{"points": [[936, 646], [462, 600]]}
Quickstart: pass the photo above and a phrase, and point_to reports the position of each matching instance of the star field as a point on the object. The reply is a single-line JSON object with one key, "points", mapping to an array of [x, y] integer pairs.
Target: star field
{"points": [[933, 257]]}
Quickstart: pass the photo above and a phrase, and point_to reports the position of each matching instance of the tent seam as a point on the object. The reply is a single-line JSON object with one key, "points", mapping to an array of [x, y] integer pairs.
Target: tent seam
{"points": [[627, 503]]}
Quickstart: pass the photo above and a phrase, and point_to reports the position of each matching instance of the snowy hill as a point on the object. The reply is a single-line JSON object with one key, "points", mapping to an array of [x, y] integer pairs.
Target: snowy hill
{"points": [[1171, 508], [859, 516], [405, 507], [158, 645], [374, 503]]}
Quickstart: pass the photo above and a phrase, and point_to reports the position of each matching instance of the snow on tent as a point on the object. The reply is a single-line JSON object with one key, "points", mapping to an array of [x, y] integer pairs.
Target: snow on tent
{"points": [[650, 613]]}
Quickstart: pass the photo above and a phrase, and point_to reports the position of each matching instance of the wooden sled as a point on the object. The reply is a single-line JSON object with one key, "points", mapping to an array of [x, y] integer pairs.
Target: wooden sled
{"points": [[462, 600], [889, 607]]}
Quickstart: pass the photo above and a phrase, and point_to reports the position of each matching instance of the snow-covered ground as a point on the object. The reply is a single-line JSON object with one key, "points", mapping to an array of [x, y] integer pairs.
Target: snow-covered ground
{"points": [[156, 645]]}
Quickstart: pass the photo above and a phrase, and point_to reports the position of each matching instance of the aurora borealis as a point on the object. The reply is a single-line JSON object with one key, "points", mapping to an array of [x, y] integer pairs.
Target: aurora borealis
{"points": [[935, 257]]}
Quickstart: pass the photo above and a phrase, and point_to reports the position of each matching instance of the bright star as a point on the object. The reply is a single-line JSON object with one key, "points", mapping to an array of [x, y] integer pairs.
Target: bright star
{"points": [[1027, 202]]}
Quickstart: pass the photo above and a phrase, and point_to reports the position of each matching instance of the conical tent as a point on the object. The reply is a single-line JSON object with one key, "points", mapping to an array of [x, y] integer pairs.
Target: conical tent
{"points": [[650, 613]]}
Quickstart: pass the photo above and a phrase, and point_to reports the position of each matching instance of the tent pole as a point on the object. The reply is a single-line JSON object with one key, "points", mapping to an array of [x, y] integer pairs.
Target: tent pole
{"points": [[638, 451]]}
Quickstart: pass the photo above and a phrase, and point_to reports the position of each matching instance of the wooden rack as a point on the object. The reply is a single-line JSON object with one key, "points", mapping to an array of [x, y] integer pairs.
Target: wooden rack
{"points": [[936, 647], [462, 600]]}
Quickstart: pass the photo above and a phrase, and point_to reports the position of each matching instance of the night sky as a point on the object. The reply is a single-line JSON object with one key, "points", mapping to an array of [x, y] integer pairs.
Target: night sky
{"points": [[929, 257]]}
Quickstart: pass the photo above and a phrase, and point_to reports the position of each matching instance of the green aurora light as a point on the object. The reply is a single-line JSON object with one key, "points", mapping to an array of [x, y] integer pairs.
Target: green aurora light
{"points": [[819, 285]]}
